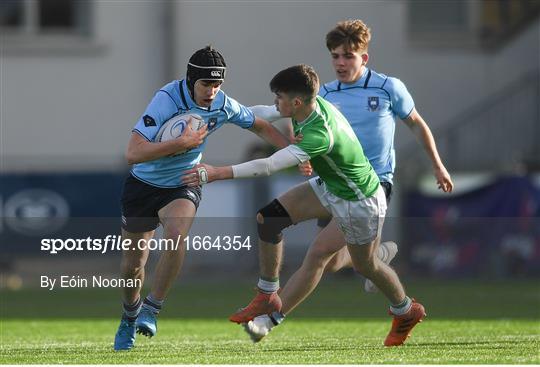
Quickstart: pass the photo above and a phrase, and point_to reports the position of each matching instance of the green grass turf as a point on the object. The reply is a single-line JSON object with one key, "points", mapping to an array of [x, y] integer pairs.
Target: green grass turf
{"points": [[296, 342], [338, 297], [468, 323]]}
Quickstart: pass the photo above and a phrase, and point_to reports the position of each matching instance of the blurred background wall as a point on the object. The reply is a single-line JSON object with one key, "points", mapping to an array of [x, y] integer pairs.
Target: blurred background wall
{"points": [[77, 74]]}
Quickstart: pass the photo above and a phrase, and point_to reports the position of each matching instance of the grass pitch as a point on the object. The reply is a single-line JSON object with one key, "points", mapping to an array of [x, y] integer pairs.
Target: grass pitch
{"points": [[296, 342], [467, 323]]}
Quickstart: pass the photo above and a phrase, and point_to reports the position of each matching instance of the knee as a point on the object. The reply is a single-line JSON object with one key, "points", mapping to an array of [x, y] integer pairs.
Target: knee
{"points": [[172, 231], [320, 258], [271, 220], [133, 265], [315, 260], [312, 266]]}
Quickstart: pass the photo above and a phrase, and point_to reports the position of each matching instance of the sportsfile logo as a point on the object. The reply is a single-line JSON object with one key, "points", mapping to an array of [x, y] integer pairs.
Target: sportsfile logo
{"points": [[111, 243]]}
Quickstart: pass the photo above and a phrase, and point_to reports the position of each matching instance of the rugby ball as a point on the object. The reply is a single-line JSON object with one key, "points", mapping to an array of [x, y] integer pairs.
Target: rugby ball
{"points": [[176, 125]]}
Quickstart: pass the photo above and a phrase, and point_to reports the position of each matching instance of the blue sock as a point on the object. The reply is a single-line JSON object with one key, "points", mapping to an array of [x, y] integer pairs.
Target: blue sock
{"points": [[152, 304], [132, 311]]}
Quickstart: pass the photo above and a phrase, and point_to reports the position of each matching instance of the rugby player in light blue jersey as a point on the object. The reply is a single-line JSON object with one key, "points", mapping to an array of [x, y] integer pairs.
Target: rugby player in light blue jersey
{"points": [[371, 102], [154, 193]]}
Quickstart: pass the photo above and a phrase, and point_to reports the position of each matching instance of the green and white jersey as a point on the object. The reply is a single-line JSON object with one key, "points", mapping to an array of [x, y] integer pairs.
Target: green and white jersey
{"points": [[335, 153]]}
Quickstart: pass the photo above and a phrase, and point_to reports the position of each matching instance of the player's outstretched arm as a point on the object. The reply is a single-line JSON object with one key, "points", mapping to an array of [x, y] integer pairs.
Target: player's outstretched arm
{"points": [[269, 133], [423, 133], [268, 113], [141, 150], [273, 136], [205, 173]]}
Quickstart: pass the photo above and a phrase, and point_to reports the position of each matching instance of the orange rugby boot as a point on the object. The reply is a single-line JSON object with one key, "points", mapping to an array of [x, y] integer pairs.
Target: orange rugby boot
{"points": [[262, 304], [403, 324]]}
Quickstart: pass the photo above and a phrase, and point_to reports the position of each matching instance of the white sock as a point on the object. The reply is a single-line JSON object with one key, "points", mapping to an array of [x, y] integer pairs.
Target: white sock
{"points": [[402, 308], [267, 286]]}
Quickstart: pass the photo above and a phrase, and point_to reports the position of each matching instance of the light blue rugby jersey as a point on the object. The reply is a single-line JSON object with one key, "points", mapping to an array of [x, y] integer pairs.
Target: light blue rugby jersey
{"points": [[174, 99], [371, 105]]}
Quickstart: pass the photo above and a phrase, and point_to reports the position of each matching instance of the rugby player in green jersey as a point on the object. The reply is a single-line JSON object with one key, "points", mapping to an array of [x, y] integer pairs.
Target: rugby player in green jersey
{"points": [[347, 189]]}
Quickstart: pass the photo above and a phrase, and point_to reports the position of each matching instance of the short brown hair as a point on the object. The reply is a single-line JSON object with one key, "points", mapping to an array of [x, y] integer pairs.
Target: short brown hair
{"points": [[353, 34], [299, 80]]}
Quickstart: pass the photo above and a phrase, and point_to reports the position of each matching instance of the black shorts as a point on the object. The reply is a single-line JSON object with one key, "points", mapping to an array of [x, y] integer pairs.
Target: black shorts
{"points": [[387, 187], [141, 203]]}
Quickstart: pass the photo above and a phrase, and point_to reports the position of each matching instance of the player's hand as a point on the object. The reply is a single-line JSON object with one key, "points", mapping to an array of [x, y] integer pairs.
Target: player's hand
{"points": [[192, 138], [305, 168], [199, 175], [296, 139], [444, 182]]}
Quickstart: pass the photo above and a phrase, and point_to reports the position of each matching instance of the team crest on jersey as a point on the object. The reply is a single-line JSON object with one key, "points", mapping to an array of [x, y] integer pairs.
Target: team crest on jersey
{"points": [[212, 122], [373, 103], [148, 121]]}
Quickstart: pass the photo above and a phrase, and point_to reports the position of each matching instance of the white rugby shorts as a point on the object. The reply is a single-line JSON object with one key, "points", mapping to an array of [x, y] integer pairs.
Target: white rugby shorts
{"points": [[360, 221]]}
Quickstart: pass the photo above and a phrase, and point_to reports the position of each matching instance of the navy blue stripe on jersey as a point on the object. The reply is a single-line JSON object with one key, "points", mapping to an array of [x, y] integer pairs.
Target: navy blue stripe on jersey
{"points": [[140, 133], [367, 79], [387, 93], [357, 87], [385, 80], [222, 108], [207, 109], [326, 90], [407, 115]]}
